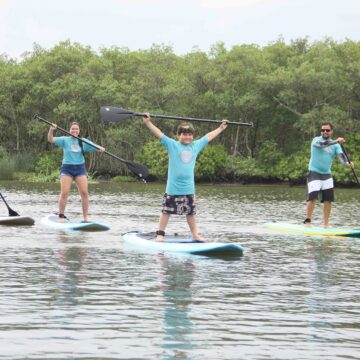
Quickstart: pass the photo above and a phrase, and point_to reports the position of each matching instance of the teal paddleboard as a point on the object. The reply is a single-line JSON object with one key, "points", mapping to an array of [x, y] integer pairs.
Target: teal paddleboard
{"points": [[311, 229], [53, 222], [179, 244]]}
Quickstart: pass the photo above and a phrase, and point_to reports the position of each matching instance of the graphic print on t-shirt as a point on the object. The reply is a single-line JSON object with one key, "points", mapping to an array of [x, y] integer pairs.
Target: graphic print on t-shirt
{"points": [[186, 156], [75, 147]]}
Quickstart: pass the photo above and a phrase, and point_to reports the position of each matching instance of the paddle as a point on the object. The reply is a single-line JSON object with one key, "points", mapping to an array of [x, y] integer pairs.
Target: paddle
{"points": [[139, 170], [348, 159], [11, 211], [114, 114]]}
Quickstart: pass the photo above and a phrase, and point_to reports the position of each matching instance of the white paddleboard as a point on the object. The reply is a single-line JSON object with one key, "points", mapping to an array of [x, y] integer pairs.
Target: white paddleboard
{"points": [[178, 244], [16, 220], [53, 222]]}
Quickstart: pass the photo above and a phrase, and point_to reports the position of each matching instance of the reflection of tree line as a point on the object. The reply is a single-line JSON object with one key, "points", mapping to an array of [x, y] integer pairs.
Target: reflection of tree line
{"points": [[177, 277]]}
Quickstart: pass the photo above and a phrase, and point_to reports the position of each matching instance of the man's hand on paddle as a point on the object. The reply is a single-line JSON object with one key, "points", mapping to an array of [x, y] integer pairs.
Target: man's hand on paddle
{"points": [[340, 140]]}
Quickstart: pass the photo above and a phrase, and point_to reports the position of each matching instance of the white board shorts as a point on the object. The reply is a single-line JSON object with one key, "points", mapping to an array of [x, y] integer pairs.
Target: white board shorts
{"points": [[322, 184]]}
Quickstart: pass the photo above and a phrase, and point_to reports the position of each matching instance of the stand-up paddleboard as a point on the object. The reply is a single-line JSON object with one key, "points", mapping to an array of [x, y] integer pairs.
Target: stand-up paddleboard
{"points": [[16, 220], [53, 222], [311, 229], [178, 244]]}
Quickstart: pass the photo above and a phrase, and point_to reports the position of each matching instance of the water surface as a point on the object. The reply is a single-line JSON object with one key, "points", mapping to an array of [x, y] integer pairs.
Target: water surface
{"points": [[86, 295]]}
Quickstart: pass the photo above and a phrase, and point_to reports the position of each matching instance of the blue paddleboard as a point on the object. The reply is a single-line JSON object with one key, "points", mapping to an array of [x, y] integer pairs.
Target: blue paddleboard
{"points": [[311, 229], [178, 244], [53, 222]]}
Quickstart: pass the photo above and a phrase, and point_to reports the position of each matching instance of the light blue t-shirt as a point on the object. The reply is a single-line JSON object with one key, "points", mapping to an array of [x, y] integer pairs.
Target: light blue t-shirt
{"points": [[182, 164], [72, 149], [322, 157]]}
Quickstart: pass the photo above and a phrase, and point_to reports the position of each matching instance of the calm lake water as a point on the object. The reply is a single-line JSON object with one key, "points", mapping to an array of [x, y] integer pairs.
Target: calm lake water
{"points": [[88, 296]]}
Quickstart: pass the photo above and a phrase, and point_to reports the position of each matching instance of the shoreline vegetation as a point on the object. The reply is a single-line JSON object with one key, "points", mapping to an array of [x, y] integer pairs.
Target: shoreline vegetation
{"points": [[286, 89], [31, 177]]}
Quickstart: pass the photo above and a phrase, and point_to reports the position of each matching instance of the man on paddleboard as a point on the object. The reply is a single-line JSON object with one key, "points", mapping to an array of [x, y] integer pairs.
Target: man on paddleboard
{"points": [[320, 181], [179, 197]]}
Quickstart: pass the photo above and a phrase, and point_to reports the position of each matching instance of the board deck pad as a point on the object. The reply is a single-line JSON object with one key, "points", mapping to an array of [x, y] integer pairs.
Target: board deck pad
{"points": [[52, 222], [180, 244], [311, 230], [16, 220], [169, 238]]}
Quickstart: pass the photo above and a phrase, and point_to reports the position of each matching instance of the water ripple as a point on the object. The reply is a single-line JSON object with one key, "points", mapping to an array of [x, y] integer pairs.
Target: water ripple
{"points": [[85, 295]]}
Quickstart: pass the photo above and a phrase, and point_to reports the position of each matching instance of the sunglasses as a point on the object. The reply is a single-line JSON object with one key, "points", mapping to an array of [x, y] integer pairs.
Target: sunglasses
{"points": [[327, 130]]}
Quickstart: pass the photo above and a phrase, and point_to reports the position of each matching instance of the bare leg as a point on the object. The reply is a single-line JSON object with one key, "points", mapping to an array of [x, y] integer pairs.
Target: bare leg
{"points": [[327, 212], [191, 220], [310, 205], [82, 185], [163, 221], [65, 186]]}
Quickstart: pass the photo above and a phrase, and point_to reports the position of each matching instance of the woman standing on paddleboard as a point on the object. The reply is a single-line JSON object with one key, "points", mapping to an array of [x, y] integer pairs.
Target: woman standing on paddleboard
{"points": [[73, 167], [179, 198]]}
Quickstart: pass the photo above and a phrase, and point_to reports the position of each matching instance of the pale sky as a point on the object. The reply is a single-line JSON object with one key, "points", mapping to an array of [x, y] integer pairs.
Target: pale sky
{"points": [[182, 24]]}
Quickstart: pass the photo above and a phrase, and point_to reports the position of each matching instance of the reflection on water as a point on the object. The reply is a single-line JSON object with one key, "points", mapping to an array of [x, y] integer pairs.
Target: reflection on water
{"points": [[176, 281], [84, 295]]}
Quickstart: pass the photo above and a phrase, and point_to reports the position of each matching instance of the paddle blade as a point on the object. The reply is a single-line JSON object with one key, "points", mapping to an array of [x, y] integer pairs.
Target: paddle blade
{"points": [[113, 114], [141, 171], [11, 211]]}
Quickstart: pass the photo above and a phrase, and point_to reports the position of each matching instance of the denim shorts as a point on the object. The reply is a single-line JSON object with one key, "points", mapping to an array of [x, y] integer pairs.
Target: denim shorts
{"points": [[73, 170]]}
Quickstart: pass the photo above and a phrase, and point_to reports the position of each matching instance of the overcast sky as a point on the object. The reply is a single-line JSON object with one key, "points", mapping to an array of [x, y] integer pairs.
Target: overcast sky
{"points": [[182, 24]]}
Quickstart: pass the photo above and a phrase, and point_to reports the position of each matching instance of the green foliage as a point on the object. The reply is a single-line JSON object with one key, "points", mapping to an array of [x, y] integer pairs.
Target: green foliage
{"points": [[211, 163], [7, 169], [155, 157], [25, 162], [244, 170], [269, 154], [286, 90], [120, 179], [48, 164], [294, 168], [39, 177], [3, 153]]}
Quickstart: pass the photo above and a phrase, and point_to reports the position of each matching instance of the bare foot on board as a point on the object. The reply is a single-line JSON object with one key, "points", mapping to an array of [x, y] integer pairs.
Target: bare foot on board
{"points": [[198, 238]]}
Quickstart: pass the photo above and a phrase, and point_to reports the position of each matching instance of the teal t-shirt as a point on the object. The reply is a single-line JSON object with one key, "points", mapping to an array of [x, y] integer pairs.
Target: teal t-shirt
{"points": [[322, 157], [182, 164], [72, 149]]}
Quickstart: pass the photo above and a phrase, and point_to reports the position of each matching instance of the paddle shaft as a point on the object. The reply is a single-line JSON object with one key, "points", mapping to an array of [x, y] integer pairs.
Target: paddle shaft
{"points": [[11, 211], [192, 119], [348, 159], [111, 114], [83, 140]]}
